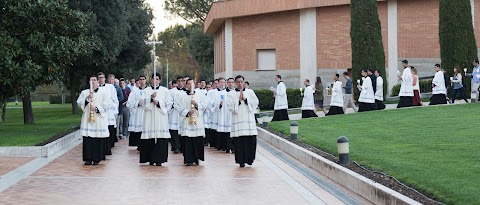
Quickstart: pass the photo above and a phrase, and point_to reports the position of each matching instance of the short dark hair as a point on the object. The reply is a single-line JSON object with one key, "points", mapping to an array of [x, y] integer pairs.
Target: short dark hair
{"points": [[405, 61], [100, 73], [279, 76], [202, 80], [122, 79], [475, 60], [345, 73], [142, 76], [246, 82], [437, 65], [179, 77], [379, 72], [237, 77], [221, 78], [157, 74], [308, 81], [173, 82], [336, 74]]}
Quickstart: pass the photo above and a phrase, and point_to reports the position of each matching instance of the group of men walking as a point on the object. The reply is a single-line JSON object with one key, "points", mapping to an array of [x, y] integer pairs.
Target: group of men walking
{"points": [[189, 118]]}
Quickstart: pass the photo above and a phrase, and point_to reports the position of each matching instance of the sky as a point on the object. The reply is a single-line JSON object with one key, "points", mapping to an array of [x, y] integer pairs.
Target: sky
{"points": [[162, 20]]}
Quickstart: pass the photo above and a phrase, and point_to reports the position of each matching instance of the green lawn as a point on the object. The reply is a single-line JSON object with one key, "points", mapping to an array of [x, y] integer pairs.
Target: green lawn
{"points": [[433, 149], [49, 121]]}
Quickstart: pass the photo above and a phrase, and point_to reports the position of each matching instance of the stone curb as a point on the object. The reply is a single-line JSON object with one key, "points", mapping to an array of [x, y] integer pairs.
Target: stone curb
{"points": [[368, 189], [41, 151]]}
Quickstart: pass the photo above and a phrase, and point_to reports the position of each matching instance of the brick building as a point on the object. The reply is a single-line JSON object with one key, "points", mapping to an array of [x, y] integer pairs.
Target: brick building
{"points": [[301, 39]]}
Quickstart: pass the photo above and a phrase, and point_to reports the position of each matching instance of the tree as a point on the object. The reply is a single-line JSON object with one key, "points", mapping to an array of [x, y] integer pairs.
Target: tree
{"points": [[458, 46], [366, 39], [39, 39], [193, 11], [120, 27], [200, 46]]}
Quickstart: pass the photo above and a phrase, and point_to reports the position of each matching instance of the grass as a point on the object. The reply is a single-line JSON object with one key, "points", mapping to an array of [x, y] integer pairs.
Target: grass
{"points": [[49, 121], [433, 149]]}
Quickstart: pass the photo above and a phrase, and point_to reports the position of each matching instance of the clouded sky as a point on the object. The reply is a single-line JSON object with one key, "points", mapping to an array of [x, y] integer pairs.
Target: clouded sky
{"points": [[162, 19]]}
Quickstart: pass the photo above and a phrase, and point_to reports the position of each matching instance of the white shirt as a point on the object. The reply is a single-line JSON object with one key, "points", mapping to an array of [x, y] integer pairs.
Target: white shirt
{"points": [[337, 94], [183, 106], [281, 101], [439, 82], [379, 93], [366, 92], [308, 100], [113, 109], [406, 88], [155, 123], [136, 110], [243, 112], [224, 116]]}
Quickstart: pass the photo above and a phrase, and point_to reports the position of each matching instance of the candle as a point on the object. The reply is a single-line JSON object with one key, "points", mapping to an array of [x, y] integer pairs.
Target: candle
{"points": [[465, 70], [91, 86], [192, 86], [358, 81]]}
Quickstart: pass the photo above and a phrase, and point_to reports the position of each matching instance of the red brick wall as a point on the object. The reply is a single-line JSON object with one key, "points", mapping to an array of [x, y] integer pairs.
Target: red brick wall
{"points": [[278, 31], [418, 29], [333, 35]]}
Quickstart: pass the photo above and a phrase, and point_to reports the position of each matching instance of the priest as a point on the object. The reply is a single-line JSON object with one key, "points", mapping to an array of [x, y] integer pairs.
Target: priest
{"points": [[308, 104], [243, 103], [406, 89], [155, 132], [191, 108], [94, 126], [366, 100], [137, 111], [281, 102], [439, 90], [336, 102]]}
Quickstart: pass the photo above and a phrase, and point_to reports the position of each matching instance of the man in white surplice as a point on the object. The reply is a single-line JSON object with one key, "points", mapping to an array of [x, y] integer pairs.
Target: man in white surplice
{"points": [[406, 89], [155, 133], [308, 104], [438, 88], [191, 107], [94, 101], [173, 116], [137, 111], [243, 103], [112, 110], [281, 101], [366, 100], [336, 102], [379, 92], [223, 116]]}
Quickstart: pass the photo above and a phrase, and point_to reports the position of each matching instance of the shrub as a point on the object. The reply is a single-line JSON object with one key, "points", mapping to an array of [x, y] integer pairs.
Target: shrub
{"points": [[57, 99], [425, 87], [267, 100]]}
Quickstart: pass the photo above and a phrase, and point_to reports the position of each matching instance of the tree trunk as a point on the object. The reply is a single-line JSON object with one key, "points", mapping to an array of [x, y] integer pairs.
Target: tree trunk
{"points": [[3, 104], [73, 88], [27, 109]]}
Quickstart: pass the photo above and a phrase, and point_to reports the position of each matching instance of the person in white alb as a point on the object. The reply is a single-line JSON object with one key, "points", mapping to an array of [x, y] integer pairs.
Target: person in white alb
{"points": [[173, 116], [112, 110], [155, 133], [379, 92], [336, 102], [94, 126], [406, 89], [366, 101], [243, 103], [281, 101], [135, 126], [191, 108], [438, 88], [308, 103]]}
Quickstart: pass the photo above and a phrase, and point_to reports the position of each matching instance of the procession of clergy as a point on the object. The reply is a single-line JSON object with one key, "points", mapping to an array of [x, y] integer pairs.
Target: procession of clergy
{"points": [[186, 117]]}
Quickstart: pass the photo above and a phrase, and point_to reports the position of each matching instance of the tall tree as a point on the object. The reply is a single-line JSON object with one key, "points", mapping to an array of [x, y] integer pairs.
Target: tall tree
{"points": [[193, 11], [457, 40], [200, 46], [366, 39], [39, 39]]}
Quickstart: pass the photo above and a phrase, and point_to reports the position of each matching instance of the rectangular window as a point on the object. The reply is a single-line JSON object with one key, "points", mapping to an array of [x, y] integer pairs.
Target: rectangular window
{"points": [[266, 59]]}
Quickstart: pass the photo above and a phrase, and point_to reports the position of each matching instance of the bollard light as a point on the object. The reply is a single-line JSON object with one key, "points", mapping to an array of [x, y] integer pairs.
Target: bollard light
{"points": [[343, 150], [473, 96], [293, 130], [259, 119], [265, 120]]}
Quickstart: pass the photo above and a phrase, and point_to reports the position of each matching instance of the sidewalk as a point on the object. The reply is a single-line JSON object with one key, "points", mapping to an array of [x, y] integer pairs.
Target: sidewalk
{"points": [[122, 180]]}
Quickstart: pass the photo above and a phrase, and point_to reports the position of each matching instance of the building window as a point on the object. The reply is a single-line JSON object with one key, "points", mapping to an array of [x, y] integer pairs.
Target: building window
{"points": [[266, 59]]}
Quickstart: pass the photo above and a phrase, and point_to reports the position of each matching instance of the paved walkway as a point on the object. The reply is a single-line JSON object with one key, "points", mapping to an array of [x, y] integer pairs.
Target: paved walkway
{"points": [[274, 178]]}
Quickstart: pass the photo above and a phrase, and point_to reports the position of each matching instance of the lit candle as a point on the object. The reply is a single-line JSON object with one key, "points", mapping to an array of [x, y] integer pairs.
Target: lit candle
{"points": [[465, 70], [192, 86], [91, 86]]}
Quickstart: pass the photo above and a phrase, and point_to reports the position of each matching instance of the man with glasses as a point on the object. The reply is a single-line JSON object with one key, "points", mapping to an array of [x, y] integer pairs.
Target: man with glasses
{"points": [[137, 111], [475, 75], [111, 110]]}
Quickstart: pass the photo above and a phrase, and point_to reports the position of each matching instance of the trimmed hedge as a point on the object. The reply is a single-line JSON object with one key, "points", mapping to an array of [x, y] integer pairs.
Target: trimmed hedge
{"points": [[267, 100], [57, 99], [425, 87]]}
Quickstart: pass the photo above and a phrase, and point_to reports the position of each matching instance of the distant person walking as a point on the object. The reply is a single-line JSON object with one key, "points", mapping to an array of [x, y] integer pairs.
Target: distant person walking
{"points": [[416, 101], [457, 84], [439, 90], [475, 75], [308, 103], [406, 89], [318, 95], [336, 102], [379, 91], [281, 101], [347, 96]]}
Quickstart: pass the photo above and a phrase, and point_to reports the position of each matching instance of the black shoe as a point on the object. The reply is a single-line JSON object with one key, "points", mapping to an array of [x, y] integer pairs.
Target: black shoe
{"points": [[196, 163], [88, 163], [151, 163], [96, 163], [233, 151], [228, 151], [249, 164], [242, 165], [176, 151], [159, 164], [189, 164]]}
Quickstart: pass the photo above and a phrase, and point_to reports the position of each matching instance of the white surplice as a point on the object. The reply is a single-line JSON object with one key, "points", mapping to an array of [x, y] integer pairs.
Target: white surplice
{"points": [[281, 101], [224, 116], [366, 93], [155, 123], [308, 102], [183, 106], [379, 92], [439, 82], [243, 112], [406, 88], [136, 111], [101, 101], [112, 110], [337, 94]]}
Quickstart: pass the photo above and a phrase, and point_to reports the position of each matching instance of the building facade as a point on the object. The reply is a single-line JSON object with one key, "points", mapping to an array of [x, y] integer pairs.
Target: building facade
{"points": [[302, 39]]}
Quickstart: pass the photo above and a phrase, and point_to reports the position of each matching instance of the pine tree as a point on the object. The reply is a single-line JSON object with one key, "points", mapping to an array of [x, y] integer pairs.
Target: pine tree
{"points": [[458, 46], [366, 37]]}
